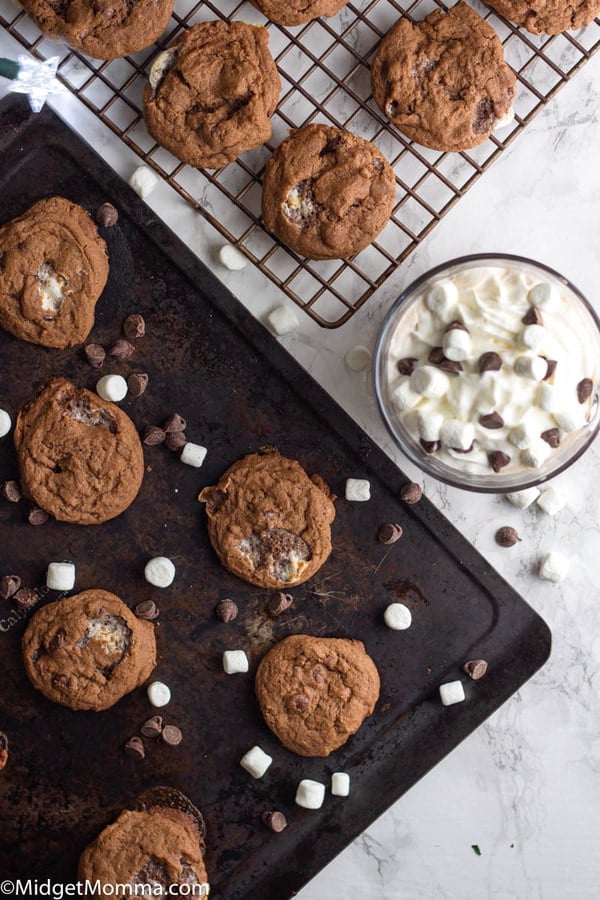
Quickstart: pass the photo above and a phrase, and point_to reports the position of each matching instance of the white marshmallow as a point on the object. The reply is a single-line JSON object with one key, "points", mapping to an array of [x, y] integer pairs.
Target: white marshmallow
{"points": [[60, 576], [282, 320], [552, 500], [5, 423], [506, 119], [531, 366], [429, 382], [456, 344], [456, 434], [548, 398], [523, 499], [536, 454], [161, 65], [523, 436], [232, 258], [256, 762], [570, 419], [143, 181], [358, 358], [159, 572], [340, 784], [452, 692], [404, 397], [310, 794], [442, 299], [112, 387], [554, 566], [193, 454], [429, 425], [235, 661], [358, 489], [397, 616], [533, 336], [159, 693], [543, 295]]}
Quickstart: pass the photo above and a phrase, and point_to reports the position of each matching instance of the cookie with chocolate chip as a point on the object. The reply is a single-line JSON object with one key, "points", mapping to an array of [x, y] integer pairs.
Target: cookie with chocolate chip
{"points": [[316, 692], [443, 81], [547, 16], [88, 651], [80, 456], [327, 193], [53, 268], [268, 522], [102, 30], [211, 94], [298, 11]]}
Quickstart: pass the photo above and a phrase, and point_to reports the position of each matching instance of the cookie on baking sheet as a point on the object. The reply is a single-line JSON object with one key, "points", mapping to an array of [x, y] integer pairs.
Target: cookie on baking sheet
{"points": [[327, 193], [297, 12], [268, 522], [211, 95], [88, 651], [101, 30], [547, 16], [315, 692], [444, 81], [53, 268], [80, 457]]}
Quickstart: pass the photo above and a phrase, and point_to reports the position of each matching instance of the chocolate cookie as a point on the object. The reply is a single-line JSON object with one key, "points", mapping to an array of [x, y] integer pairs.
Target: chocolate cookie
{"points": [[298, 11], [547, 16], [268, 521], [315, 692], [80, 456], [327, 193], [211, 95], [102, 30], [53, 268], [443, 81], [88, 651]]}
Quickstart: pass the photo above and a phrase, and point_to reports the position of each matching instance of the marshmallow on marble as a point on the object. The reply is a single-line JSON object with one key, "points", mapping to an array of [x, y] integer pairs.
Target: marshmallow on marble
{"points": [[429, 425], [193, 454], [159, 693], [112, 387], [403, 396], [533, 336], [358, 489], [543, 295], [452, 692], [5, 423], [159, 571], [523, 499], [310, 794], [340, 784], [456, 344], [429, 382], [523, 436], [531, 366], [60, 576], [456, 434], [554, 566], [442, 299], [282, 320], [232, 258], [570, 419], [256, 762], [143, 181], [397, 616], [536, 454], [235, 661], [551, 500]]}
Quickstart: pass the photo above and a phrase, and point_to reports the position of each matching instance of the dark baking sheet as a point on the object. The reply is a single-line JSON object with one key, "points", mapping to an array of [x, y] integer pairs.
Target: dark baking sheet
{"points": [[67, 776]]}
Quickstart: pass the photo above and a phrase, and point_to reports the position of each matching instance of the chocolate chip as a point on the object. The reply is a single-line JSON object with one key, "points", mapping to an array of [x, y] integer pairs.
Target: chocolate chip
{"points": [[457, 326], [532, 317], [171, 735], [551, 436], [491, 420], [9, 585], [389, 533], [37, 516], [279, 602], [175, 440], [489, 362], [11, 490], [61, 681], [153, 435], [4, 752], [584, 389], [147, 610], [107, 215], [551, 365], [57, 641], [300, 702], [121, 349], [411, 492], [498, 460], [95, 355], [507, 536], [26, 597], [463, 449], [175, 422], [135, 747], [450, 365], [152, 727], [430, 446], [137, 384], [436, 355], [226, 610], [134, 327], [274, 820], [407, 365], [475, 668]]}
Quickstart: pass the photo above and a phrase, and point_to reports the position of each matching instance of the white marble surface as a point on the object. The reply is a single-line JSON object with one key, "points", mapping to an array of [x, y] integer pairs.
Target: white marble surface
{"points": [[526, 786]]}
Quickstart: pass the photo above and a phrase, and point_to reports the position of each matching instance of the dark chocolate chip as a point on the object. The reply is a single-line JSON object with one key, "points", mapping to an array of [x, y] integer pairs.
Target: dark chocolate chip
{"points": [[121, 349], [153, 435], [107, 215], [58, 640], [26, 597], [436, 355], [11, 490], [507, 536], [551, 365], [134, 327], [37, 516], [147, 610], [61, 681], [172, 735], [461, 450], [279, 602], [135, 747], [490, 362], [274, 820], [226, 610], [137, 384], [152, 727], [498, 460], [551, 436], [584, 389], [457, 326], [450, 365], [175, 422], [389, 533], [532, 317], [300, 702], [4, 752], [175, 440], [430, 446], [411, 492], [475, 668], [95, 355], [407, 365], [491, 420], [9, 585]]}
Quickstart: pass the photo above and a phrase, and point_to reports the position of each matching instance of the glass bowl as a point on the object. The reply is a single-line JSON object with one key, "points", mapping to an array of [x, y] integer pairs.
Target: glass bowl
{"points": [[449, 466]]}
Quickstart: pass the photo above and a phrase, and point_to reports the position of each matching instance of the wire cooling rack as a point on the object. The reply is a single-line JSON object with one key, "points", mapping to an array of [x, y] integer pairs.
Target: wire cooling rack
{"points": [[324, 68]]}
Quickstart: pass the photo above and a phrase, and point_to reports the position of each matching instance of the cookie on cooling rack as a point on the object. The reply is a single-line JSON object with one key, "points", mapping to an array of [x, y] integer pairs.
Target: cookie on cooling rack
{"points": [[327, 193], [298, 11], [211, 95], [547, 16], [444, 81]]}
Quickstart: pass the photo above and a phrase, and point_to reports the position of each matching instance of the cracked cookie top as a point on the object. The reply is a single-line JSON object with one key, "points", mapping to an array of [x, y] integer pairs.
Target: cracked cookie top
{"points": [[547, 16]]}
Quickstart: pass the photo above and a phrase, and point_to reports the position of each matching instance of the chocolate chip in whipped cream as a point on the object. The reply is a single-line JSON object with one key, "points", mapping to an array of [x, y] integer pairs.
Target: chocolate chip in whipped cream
{"points": [[406, 366], [491, 420], [532, 317], [436, 355], [489, 362], [507, 536], [95, 355], [551, 436], [551, 365], [430, 446], [584, 389], [498, 460], [450, 365]]}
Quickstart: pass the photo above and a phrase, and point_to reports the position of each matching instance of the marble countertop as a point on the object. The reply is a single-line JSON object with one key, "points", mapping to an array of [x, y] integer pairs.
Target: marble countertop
{"points": [[525, 787]]}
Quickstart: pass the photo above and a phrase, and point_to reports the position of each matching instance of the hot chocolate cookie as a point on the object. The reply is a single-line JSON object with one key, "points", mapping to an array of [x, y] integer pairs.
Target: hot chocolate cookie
{"points": [[53, 268], [547, 16], [298, 11]]}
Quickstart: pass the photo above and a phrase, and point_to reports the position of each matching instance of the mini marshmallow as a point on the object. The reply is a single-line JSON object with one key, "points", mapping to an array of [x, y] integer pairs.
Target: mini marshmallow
{"points": [[542, 295], [533, 336], [358, 489], [112, 387], [452, 692], [536, 454], [235, 661], [397, 616], [429, 382], [456, 434], [523, 499], [193, 454], [548, 398], [256, 762], [531, 366], [60, 576], [429, 425], [523, 436], [554, 566], [159, 572], [442, 299], [340, 784], [159, 693], [456, 344], [570, 419], [403, 396], [143, 181], [282, 320], [358, 358], [506, 119], [310, 794], [5, 423], [232, 258], [551, 500]]}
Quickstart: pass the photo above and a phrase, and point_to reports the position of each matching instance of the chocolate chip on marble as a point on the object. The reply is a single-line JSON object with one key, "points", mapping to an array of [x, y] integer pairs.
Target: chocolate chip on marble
{"points": [[274, 820], [37, 516], [430, 446], [498, 460], [175, 440], [9, 585], [475, 668], [153, 435], [491, 420], [551, 365], [26, 597], [551, 436], [147, 610], [279, 602], [172, 735], [95, 355], [107, 215], [135, 747], [389, 533], [507, 536], [134, 327], [137, 383], [152, 727], [532, 317], [406, 366], [489, 362], [175, 422], [411, 492], [121, 349], [226, 610], [584, 389]]}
